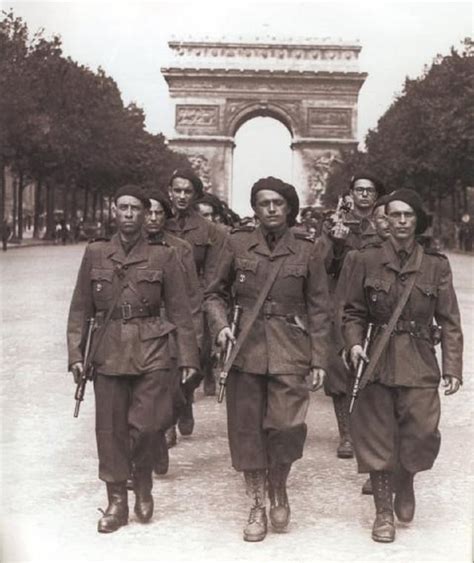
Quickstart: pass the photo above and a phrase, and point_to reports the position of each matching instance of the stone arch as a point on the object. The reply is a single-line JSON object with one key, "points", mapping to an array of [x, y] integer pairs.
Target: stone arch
{"points": [[310, 86]]}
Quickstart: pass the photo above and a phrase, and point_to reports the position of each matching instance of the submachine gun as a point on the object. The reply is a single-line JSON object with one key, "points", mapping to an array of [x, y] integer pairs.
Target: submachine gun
{"points": [[234, 327], [360, 367], [339, 216], [88, 368]]}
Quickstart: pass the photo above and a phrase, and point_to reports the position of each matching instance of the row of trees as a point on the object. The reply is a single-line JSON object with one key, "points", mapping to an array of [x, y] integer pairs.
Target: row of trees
{"points": [[425, 140], [65, 128]]}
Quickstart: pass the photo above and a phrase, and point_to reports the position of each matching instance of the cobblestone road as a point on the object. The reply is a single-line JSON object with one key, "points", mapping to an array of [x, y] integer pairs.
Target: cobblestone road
{"points": [[50, 491]]}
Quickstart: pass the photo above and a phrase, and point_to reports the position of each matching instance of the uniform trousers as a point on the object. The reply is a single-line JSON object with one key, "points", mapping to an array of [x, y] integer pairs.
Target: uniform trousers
{"points": [[396, 424], [265, 419], [130, 409]]}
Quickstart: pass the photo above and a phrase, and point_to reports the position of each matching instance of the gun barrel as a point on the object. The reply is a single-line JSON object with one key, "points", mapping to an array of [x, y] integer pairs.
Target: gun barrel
{"points": [[360, 367], [77, 407]]}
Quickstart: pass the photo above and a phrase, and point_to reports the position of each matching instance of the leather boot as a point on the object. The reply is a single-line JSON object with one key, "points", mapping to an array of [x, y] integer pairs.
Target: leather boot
{"points": [[384, 527], [367, 487], [142, 486], [161, 458], [404, 495], [116, 514], [171, 437], [279, 507], [256, 527], [341, 408], [186, 418]]}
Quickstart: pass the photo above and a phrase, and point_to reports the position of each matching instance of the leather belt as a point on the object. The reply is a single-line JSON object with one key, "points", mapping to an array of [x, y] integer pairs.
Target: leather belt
{"points": [[126, 312], [275, 309], [411, 327]]}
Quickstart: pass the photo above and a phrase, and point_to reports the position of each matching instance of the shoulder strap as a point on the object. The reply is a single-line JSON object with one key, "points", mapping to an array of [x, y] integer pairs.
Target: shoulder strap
{"points": [[253, 314], [382, 342]]}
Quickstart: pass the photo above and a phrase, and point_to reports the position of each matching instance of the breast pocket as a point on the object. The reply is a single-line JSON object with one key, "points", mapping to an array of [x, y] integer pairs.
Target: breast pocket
{"points": [[377, 292], [102, 279], [246, 274], [150, 284], [424, 301]]}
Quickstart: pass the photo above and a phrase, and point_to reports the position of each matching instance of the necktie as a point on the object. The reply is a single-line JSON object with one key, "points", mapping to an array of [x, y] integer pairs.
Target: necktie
{"points": [[271, 241], [403, 255]]}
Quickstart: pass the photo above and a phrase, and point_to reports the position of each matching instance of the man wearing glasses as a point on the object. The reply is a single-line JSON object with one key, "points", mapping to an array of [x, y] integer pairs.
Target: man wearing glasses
{"points": [[356, 231]]}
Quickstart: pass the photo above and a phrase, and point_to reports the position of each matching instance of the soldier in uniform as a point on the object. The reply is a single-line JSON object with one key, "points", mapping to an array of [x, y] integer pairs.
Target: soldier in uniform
{"points": [[335, 245], [395, 420], [159, 212], [267, 392], [206, 240], [123, 284]]}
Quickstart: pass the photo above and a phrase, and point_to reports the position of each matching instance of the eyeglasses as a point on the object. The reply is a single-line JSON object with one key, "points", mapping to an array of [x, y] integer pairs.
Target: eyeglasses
{"points": [[369, 191]]}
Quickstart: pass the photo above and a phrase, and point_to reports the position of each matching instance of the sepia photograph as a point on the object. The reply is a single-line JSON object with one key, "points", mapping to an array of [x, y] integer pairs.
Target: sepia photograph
{"points": [[236, 281]]}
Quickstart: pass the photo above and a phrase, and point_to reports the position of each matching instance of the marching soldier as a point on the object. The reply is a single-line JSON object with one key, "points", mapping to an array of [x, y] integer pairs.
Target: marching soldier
{"points": [[123, 284], [358, 232], [206, 240], [279, 280], [395, 420], [159, 212]]}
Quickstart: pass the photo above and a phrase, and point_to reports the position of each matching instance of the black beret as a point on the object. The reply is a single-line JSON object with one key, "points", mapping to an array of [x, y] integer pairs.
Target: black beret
{"points": [[285, 190], [367, 176], [381, 201], [135, 191], [212, 200], [190, 175], [158, 195], [411, 198]]}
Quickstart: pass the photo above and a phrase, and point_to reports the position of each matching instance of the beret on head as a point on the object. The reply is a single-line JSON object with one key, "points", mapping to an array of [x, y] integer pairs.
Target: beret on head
{"points": [[285, 190], [381, 201], [212, 200], [135, 191], [413, 199], [162, 198], [190, 175], [367, 176]]}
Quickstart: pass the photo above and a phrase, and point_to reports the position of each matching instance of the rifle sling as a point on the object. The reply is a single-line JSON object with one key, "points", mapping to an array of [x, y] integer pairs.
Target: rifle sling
{"points": [[253, 314], [383, 341]]}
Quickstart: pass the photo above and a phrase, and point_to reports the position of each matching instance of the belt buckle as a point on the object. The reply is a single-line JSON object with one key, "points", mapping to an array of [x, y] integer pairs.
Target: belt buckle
{"points": [[126, 311]]}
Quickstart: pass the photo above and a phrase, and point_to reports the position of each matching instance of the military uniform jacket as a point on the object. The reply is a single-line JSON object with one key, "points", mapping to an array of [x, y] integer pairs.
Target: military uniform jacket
{"points": [[138, 345], [206, 240], [290, 334], [375, 287]]}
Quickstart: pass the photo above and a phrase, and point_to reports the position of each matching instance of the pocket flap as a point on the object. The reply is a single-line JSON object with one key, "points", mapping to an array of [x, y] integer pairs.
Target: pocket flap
{"points": [[378, 284], [150, 275], [246, 264], [154, 328], [296, 270], [428, 289], [102, 274]]}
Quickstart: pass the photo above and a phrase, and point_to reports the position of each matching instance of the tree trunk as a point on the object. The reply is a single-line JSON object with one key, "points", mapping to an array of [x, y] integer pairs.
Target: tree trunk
{"points": [[20, 204], [50, 210], [101, 202], [94, 206], [65, 189], [37, 209], [465, 205], [73, 208], [15, 207], [86, 204]]}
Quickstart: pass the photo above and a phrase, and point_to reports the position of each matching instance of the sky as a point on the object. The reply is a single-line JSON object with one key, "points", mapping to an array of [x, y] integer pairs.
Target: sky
{"points": [[129, 40]]}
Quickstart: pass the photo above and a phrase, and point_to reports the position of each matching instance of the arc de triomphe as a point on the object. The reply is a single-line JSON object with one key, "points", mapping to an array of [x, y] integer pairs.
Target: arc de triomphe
{"points": [[310, 86]]}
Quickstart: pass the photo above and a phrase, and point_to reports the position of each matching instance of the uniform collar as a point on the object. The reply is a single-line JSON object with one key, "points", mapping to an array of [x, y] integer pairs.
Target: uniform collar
{"points": [[192, 221], [392, 260], [139, 253], [285, 245]]}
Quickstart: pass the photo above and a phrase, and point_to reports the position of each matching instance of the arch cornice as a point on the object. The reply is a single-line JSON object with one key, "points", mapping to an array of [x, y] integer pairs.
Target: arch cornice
{"points": [[242, 111]]}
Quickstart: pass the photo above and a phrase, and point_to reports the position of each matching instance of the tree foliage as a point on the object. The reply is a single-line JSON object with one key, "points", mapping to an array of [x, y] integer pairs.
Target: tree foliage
{"points": [[65, 125]]}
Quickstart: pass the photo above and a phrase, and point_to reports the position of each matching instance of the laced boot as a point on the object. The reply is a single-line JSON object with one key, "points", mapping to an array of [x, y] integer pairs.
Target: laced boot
{"points": [[384, 528], [256, 527], [404, 495], [116, 514], [142, 486], [341, 408], [186, 417], [161, 458], [171, 437], [279, 506]]}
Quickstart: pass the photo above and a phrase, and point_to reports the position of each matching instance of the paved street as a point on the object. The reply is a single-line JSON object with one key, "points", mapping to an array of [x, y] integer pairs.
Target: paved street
{"points": [[50, 491]]}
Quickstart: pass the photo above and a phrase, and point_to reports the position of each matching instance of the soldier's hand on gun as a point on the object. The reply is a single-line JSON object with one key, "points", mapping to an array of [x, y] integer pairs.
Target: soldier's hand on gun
{"points": [[187, 373], [224, 335], [316, 378], [357, 353], [77, 369], [451, 383]]}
